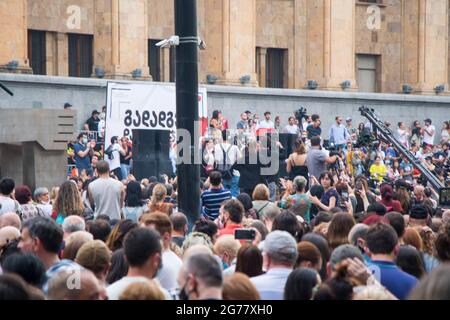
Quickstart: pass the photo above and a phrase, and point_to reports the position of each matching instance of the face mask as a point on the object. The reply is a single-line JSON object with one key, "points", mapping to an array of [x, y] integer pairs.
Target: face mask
{"points": [[85, 141], [183, 295], [102, 116]]}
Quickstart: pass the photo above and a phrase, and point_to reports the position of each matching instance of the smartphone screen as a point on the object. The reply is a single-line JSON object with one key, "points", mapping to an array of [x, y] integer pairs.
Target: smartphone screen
{"points": [[244, 234], [345, 196]]}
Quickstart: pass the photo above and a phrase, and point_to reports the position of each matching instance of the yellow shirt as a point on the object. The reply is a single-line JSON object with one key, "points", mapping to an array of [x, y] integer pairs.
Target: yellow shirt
{"points": [[378, 171]]}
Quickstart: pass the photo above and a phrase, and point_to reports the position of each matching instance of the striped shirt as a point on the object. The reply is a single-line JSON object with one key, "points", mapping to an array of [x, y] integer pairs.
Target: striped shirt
{"points": [[211, 201]]}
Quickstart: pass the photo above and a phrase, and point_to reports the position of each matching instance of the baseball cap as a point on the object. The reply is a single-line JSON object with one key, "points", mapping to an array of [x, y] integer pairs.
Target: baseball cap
{"points": [[67, 105], [419, 212]]}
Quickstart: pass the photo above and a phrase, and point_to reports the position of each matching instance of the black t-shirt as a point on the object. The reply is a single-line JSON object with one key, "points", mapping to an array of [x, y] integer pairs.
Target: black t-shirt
{"points": [[93, 124], [312, 131]]}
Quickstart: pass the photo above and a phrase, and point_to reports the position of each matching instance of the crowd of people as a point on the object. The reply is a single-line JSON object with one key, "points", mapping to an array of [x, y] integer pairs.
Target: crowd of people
{"points": [[346, 216]]}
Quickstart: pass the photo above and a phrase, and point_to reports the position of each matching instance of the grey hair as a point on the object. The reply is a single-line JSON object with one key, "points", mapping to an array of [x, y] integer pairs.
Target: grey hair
{"points": [[205, 267], [299, 183], [343, 252], [281, 247], [271, 212], [357, 231], [40, 191], [73, 223]]}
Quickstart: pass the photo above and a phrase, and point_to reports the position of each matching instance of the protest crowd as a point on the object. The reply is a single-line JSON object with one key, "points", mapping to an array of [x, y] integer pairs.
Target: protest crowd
{"points": [[346, 216]]}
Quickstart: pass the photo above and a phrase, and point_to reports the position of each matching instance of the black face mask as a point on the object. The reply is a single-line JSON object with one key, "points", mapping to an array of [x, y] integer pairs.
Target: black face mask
{"points": [[183, 295]]}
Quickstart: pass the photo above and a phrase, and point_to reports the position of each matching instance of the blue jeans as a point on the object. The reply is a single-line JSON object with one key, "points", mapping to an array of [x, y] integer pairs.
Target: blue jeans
{"points": [[232, 185], [124, 170]]}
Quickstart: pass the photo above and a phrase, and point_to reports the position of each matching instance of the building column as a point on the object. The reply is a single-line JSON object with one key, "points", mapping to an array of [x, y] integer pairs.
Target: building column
{"points": [[261, 60], [120, 38], [330, 52], [165, 64], [425, 41], [230, 41], [14, 37]]}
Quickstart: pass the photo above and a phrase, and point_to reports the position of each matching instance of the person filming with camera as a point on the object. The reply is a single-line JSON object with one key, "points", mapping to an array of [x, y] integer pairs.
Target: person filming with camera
{"points": [[317, 159]]}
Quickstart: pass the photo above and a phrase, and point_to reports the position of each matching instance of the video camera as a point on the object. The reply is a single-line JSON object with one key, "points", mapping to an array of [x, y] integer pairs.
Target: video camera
{"points": [[300, 114]]}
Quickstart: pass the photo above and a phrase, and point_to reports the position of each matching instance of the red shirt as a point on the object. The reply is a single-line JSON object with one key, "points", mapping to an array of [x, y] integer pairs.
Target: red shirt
{"points": [[229, 229], [394, 204]]}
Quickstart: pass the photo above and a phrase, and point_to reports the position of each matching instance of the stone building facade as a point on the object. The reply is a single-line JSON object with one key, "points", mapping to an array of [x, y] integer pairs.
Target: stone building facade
{"points": [[386, 46]]}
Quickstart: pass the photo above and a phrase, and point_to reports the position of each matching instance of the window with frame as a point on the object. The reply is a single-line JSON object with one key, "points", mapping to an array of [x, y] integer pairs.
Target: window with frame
{"points": [[276, 68], [80, 55], [37, 51], [368, 72]]}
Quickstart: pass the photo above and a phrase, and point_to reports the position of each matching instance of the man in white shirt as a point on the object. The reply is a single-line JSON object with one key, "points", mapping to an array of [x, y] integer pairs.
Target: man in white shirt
{"points": [[279, 257], [142, 248], [291, 128], [114, 158], [429, 131], [7, 204], [171, 263], [232, 154], [266, 123]]}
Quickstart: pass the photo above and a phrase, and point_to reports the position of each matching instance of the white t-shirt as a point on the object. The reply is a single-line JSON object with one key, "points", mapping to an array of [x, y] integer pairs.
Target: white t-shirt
{"points": [[291, 129], [7, 205], [231, 151], [167, 276], [266, 124], [402, 136], [117, 288], [115, 163], [426, 137]]}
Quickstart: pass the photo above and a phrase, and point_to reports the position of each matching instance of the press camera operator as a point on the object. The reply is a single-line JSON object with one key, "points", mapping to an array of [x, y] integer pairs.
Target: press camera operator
{"points": [[317, 159]]}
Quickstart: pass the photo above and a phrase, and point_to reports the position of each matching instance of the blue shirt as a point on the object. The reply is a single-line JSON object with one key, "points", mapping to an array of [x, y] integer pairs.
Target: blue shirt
{"points": [[398, 282], [81, 163], [339, 134], [212, 200], [271, 284]]}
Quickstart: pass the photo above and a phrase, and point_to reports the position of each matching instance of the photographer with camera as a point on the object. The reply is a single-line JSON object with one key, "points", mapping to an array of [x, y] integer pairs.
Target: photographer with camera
{"points": [[317, 159]]}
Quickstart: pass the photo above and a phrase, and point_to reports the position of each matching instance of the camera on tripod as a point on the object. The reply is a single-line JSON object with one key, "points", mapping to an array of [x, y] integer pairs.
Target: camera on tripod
{"points": [[301, 114]]}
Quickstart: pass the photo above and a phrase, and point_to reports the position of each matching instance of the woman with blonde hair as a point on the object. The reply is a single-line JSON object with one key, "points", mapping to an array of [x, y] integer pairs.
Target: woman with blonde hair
{"points": [[68, 202], [157, 200], [261, 202]]}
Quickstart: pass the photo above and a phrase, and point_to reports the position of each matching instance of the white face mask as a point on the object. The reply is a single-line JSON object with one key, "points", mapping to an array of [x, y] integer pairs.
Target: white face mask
{"points": [[102, 116]]}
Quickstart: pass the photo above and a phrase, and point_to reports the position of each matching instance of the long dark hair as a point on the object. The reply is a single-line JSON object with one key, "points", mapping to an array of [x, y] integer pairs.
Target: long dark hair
{"points": [[134, 194], [215, 114], [300, 284]]}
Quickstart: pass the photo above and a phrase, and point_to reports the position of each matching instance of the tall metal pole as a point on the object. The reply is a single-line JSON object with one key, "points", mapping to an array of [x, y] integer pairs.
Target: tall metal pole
{"points": [[187, 103]]}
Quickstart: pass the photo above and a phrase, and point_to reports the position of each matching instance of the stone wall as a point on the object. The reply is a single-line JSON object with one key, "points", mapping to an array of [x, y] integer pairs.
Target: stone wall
{"points": [[89, 94]]}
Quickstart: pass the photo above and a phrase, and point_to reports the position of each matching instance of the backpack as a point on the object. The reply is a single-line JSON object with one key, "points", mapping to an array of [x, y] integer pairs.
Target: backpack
{"points": [[225, 169]]}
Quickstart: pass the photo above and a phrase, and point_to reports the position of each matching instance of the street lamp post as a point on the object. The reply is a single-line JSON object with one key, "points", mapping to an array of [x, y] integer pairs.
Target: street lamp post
{"points": [[187, 104]]}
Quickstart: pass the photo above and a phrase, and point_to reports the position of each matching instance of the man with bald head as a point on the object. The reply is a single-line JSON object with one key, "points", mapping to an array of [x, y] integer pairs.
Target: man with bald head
{"points": [[73, 224], [10, 219], [8, 234], [77, 284]]}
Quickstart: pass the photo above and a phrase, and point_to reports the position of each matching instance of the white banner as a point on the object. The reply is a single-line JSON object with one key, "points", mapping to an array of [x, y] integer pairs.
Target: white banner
{"points": [[147, 106]]}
